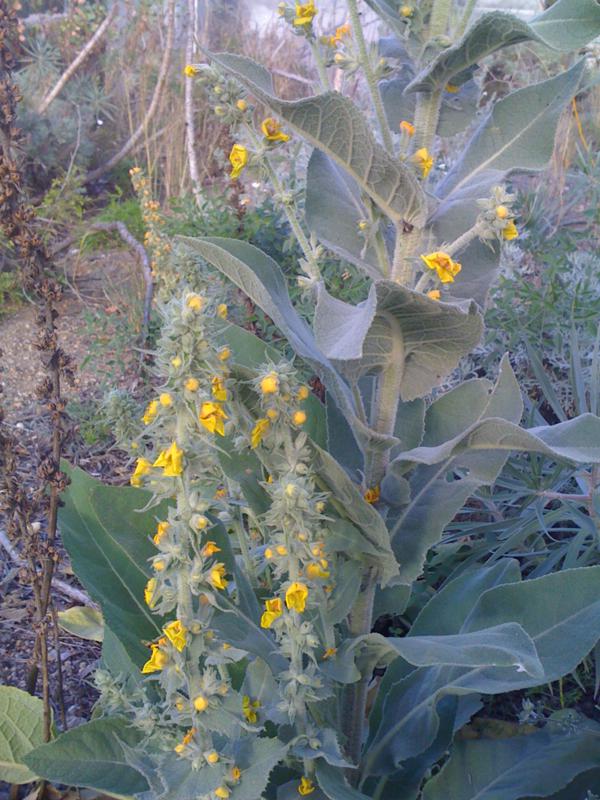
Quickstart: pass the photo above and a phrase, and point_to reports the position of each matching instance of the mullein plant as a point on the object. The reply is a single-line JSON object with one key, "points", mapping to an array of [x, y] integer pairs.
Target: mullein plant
{"points": [[285, 526]]}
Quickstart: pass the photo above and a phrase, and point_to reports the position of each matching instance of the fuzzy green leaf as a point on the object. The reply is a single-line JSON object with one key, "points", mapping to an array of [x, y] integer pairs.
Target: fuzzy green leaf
{"points": [[517, 134], [107, 536], [21, 730], [82, 621], [434, 499], [333, 124], [513, 768], [91, 756], [553, 609], [334, 208], [361, 339], [369, 524], [567, 25]]}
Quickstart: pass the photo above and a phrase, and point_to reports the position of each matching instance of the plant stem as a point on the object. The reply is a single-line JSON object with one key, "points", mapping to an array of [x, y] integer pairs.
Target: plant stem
{"points": [[466, 16], [427, 116], [321, 68], [404, 249], [360, 619], [365, 60], [438, 21], [313, 267]]}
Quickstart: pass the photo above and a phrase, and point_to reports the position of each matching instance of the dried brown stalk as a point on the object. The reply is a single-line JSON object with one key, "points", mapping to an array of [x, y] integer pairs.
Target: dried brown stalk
{"points": [[26, 508]]}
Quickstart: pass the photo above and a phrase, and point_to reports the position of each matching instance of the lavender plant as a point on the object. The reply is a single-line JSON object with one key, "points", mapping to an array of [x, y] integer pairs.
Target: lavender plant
{"points": [[275, 529]]}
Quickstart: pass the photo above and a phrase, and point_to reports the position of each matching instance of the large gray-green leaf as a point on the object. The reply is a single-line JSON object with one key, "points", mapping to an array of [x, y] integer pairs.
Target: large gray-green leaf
{"points": [[82, 621], [431, 336], [474, 458], [445, 615], [91, 756], [505, 644], [576, 440], [374, 545], [334, 208], [333, 782], [457, 110], [537, 764], [332, 123], [455, 215], [21, 730], [518, 133], [554, 609], [567, 25], [260, 278], [107, 537]]}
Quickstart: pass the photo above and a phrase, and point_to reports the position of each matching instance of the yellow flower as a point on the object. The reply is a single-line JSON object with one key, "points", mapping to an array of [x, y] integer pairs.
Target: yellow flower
{"points": [[238, 159], [372, 495], [222, 792], [200, 703], [150, 412], [407, 11], [159, 564], [316, 570], [224, 354], [212, 416], [423, 160], [236, 774], [142, 467], [192, 384], [241, 104], [249, 709], [434, 294], [176, 362], [340, 34], [218, 389], [165, 399], [273, 611], [201, 522], [212, 757], [179, 748], [171, 460], [189, 71], [268, 553], [149, 592], [220, 494], [299, 417], [295, 596], [195, 302], [502, 212], [452, 89], [217, 576], [306, 786], [271, 130], [222, 311], [209, 549], [407, 127], [157, 661], [510, 231], [258, 431], [305, 13], [330, 652], [281, 550], [175, 633], [272, 414], [161, 532], [446, 268], [270, 383], [303, 393]]}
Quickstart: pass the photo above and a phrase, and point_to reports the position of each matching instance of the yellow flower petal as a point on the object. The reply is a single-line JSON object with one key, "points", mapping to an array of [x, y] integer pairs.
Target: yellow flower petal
{"points": [[296, 596]]}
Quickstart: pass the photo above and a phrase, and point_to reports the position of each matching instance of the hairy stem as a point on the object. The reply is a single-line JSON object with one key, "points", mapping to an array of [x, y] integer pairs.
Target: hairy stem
{"points": [[438, 22], [365, 60], [360, 619], [321, 68], [465, 18]]}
